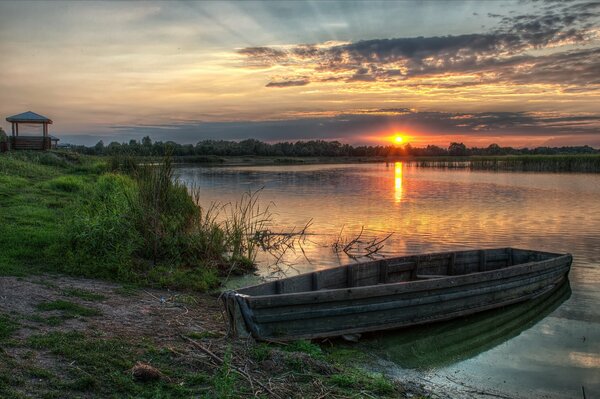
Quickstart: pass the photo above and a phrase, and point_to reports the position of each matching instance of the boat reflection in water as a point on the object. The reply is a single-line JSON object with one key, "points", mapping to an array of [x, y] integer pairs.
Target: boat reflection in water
{"points": [[445, 343]]}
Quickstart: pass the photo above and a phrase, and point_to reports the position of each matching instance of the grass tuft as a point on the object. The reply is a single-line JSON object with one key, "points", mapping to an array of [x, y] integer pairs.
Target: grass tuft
{"points": [[69, 309]]}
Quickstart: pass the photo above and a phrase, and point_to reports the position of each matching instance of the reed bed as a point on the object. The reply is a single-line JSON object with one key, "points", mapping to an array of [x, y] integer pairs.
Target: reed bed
{"points": [[521, 163]]}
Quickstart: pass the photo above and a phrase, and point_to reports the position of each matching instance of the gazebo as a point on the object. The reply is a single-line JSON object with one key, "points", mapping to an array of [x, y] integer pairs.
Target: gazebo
{"points": [[43, 142]]}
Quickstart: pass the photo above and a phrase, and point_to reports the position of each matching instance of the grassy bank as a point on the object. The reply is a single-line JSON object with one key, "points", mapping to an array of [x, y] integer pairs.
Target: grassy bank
{"points": [[114, 220]]}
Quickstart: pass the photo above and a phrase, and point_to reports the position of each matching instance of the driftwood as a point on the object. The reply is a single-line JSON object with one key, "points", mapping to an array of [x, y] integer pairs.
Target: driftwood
{"points": [[218, 361]]}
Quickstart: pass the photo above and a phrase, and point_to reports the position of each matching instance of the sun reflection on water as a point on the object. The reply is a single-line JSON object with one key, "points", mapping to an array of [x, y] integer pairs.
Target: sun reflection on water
{"points": [[398, 181]]}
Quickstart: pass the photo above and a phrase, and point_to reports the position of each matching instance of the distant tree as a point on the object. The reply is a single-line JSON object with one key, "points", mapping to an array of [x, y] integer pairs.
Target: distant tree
{"points": [[457, 149], [99, 147], [494, 149]]}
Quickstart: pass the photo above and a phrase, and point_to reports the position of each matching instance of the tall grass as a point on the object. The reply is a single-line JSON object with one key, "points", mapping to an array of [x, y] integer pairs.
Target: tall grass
{"points": [[244, 221], [582, 163], [146, 224]]}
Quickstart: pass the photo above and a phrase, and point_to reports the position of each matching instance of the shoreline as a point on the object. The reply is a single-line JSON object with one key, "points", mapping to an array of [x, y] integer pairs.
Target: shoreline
{"points": [[508, 163]]}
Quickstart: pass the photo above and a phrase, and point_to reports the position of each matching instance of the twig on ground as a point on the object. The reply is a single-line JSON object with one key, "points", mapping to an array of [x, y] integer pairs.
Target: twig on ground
{"points": [[217, 360]]}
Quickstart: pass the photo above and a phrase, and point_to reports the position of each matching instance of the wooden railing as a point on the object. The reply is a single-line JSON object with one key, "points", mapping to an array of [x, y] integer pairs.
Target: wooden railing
{"points": [[30, 143]]}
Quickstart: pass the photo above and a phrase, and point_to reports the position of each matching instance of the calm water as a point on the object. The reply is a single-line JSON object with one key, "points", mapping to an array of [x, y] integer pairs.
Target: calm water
{"points": [[545, 349]]}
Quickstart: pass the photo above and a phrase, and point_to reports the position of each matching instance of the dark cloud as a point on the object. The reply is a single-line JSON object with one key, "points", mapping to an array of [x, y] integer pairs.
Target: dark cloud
{"points": [[506, 51], [288, 83]]}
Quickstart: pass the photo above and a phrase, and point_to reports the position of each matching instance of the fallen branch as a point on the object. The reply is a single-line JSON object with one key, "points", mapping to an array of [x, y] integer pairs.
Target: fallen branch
{"points": [[218, 361]]}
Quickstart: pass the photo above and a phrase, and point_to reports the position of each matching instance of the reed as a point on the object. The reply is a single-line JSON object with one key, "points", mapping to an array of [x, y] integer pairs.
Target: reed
{"points": [[243, 222], [581, 163]]}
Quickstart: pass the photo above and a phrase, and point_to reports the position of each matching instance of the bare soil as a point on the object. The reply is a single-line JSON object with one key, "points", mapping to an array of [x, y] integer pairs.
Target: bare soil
{"points": [[167, 319]]}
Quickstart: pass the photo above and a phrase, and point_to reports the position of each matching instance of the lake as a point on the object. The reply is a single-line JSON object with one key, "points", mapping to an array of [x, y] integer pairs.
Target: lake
{"points": [[547, 349]]}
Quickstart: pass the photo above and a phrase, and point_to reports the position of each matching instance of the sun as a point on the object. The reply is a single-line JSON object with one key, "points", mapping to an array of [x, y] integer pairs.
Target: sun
{"points": [[398, 139]]}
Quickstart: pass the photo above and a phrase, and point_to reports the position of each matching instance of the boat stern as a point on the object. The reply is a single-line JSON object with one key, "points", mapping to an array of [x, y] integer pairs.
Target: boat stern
{"points": [[236, 314]]}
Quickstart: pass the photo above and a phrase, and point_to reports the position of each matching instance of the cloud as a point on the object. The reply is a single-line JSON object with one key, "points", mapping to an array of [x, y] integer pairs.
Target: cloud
{"points": [[288, 83], [527, 48]]}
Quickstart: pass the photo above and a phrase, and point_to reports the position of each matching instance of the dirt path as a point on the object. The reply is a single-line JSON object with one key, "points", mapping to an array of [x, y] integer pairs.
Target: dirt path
{"points": [[123, 312]]}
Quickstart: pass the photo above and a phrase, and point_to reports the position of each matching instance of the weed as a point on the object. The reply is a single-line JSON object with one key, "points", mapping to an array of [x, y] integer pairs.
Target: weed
{"points": [[304, 346], [69, 309], [260, 352], [225, 380], [7, 327]]}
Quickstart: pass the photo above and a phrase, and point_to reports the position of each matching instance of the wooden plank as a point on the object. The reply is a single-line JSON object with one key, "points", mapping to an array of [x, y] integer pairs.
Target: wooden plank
{"points": [[438, 302], [389, 289], [330, 324], [401, 302], [430, 276]]}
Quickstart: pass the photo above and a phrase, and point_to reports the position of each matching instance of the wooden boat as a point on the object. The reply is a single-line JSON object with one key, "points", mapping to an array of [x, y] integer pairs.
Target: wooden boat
{"points": [[392, 293]]}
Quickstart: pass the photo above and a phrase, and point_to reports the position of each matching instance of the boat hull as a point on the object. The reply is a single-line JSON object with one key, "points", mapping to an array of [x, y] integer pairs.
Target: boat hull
{"points": [[334, 312]]}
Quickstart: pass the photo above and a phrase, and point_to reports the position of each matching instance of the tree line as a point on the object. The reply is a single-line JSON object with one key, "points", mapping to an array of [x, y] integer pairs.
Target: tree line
{"points": [[311, 148]]}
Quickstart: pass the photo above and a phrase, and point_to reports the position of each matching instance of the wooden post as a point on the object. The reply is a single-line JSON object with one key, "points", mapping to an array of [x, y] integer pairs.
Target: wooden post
{"points": [[482, 260], [12, 124], [315, 281], [383, 272], [415, 270], [452, 263], [350, 276]]}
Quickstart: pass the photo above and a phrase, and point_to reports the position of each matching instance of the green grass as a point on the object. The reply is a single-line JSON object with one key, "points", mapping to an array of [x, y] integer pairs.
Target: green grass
{"points": [[7, 327], [64, 213], [33, 208], [103, 369], [69, 309]]}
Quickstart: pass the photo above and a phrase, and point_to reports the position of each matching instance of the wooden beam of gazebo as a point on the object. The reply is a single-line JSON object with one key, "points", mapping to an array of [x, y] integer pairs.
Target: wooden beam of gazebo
{"points": [[29, 143]]}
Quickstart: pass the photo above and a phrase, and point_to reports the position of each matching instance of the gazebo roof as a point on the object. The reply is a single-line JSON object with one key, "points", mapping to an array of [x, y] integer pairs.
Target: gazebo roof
{"points": [[29, 117]]}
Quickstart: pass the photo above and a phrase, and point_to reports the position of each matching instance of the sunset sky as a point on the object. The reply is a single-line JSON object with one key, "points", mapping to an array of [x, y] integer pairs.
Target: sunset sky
{"points": [[515, 73]]}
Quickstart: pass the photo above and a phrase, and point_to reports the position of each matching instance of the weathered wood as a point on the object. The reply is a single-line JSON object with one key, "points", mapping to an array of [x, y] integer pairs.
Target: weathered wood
{"points": [[452, 264], [370, 296], [350, 276], [429, 276], [481, 260], [383, 272], [315, 281]]}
